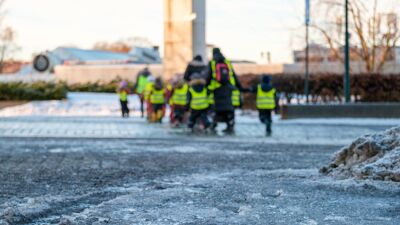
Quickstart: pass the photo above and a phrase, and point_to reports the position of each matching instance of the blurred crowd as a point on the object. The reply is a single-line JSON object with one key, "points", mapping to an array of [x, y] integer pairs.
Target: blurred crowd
{"points": [[206, 94]]}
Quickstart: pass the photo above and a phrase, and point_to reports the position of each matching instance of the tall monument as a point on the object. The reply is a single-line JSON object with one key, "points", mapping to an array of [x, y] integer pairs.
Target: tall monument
{"points": [[184, 34]]}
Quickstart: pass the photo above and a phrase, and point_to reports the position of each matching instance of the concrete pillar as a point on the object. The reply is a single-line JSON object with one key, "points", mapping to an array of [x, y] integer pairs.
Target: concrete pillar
{"points": [[184, 34]]}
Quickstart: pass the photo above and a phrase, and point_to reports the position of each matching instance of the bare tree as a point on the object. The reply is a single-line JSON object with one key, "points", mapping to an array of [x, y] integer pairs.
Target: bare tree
{"points": [[374, 34], [123, 45], [7, 39], [119, 46]]}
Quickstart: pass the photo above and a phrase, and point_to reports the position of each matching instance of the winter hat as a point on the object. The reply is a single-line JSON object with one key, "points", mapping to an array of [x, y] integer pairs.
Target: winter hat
{"points": [[175, 82], [197, 79], [198, 58], [196, 76], [216, 51], [266, 78], [123, 84], [179, 83], [217, 55], [158, 83]]}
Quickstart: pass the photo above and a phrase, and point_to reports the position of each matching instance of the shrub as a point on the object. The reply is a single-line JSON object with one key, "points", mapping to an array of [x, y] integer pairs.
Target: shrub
{"points": [[96, 87], [32, 91], [329, 87]]}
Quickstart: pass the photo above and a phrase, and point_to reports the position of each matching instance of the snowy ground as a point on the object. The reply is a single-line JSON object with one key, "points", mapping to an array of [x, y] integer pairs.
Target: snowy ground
{"points": [[77, 162], [26, 78]]}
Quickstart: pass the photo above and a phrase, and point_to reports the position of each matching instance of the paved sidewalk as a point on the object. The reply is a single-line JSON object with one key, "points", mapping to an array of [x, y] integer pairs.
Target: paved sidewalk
{"points": [[115, 127], [94, 115]]}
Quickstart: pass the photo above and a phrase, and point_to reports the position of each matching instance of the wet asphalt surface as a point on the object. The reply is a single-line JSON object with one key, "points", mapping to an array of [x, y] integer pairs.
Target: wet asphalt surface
{"points": [[182, 181]]}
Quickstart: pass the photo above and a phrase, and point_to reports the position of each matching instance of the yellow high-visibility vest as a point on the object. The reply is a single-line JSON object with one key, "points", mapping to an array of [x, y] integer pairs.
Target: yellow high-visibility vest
{"points": [[179, 97], [211, 100], [141, 85], [147, 90], [157, 96], [199, 100], [236, 98], [215, 84], [123, 95], [265, 99]]}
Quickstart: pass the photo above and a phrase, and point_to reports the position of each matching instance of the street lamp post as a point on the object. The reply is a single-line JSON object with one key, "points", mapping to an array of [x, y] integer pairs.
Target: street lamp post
{"points": [[346, 80], [307, 56]]}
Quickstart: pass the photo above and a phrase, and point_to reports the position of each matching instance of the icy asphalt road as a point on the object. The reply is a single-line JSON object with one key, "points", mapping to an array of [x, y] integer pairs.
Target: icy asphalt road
{"points": [[95, 168], [150, 181]]}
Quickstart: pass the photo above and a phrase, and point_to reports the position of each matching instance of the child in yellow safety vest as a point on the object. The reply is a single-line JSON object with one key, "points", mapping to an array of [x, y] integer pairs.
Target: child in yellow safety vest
{"points": [[266, 101], [198, 102], [178, 102], [157, 98], [123, 92]]}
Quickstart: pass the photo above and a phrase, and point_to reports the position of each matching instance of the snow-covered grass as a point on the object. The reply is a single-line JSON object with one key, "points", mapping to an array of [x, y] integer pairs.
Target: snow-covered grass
{"points": [[27, 78], [105, 104], [77, 104]]}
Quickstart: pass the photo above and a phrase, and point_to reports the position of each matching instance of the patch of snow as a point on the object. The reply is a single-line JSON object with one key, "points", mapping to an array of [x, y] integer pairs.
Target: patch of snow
{"points": [[244, 210], [309, 221], [56, 150], [77, 104], [336, 218], [29, 208], [288, 172], [27, 78], [251, 116], [352, 184], [374, 156], [344, 121]]}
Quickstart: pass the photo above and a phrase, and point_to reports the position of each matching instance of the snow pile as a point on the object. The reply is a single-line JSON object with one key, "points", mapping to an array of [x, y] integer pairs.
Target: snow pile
{"points": [[374, 156], [17, 213]]}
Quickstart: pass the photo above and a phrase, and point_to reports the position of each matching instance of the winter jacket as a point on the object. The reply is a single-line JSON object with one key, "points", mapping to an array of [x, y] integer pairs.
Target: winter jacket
{"points": [[223, 94], [194, 67]]}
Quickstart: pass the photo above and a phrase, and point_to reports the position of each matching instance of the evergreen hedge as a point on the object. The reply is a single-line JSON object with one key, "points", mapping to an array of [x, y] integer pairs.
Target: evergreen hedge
{"points": [[32, 91], [327, 88]]}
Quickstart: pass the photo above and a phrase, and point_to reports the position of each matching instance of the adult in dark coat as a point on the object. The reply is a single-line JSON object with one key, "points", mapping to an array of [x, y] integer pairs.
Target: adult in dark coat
{"points": [[223, 107], [196, 66]]}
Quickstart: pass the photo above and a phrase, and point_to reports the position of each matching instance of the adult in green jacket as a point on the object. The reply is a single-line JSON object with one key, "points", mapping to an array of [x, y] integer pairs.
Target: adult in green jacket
{"points": [[141, 81]]}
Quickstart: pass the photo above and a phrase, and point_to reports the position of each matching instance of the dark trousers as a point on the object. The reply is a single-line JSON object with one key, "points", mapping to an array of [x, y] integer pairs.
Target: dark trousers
{"points": [[227, 117], [124, 108], [198, 115], [179, 113], [157, 112], [141, 104], [266, 118]]}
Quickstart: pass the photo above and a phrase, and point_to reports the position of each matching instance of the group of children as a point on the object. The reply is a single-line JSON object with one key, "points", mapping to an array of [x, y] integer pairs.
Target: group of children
{"points": [[190, 102]]}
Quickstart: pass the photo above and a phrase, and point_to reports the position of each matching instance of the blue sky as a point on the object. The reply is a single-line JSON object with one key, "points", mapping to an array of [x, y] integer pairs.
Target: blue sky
{"points": [[242, 28]]}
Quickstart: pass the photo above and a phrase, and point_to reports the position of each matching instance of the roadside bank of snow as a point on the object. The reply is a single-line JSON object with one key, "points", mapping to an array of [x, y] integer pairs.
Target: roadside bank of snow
{"points": [[375, 156]]}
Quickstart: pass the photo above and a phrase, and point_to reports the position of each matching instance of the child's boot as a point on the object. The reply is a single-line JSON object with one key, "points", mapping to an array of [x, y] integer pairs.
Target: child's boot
{"points": [[268, 129]]}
